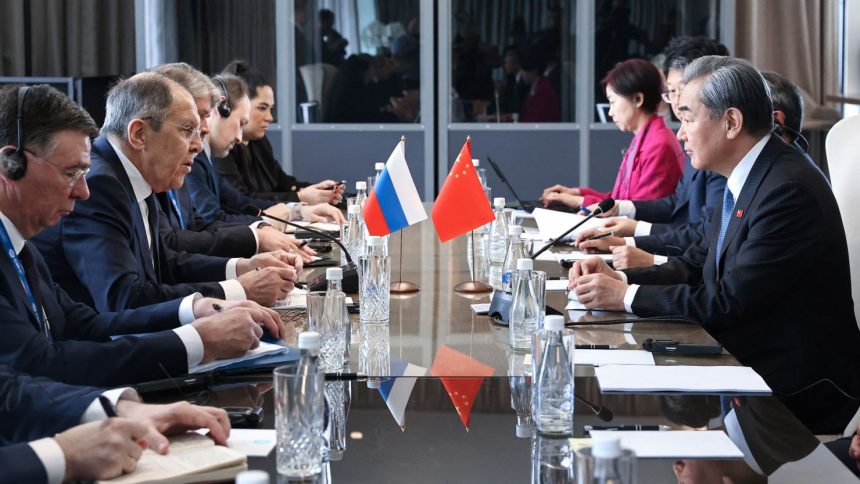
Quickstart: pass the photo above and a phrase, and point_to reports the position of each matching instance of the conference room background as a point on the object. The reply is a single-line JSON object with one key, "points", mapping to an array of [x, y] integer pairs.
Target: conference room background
{"points": [[452, 54]]}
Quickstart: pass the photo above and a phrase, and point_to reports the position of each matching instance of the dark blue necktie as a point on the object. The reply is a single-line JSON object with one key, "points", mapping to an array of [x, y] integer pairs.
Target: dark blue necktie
{"points": [[728, 206]]}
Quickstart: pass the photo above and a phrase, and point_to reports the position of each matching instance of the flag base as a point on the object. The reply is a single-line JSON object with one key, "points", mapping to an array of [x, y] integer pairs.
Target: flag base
{"points": [[404, 287], [473, 287]]}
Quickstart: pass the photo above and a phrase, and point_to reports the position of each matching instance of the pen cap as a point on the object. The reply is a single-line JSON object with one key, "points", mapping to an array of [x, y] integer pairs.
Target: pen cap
{"points": [[553, 323], [309, 340], [252, 477], [379, 166], [353, 210], [525, 264], [605, 447], [334, 274], [476, 162], [361, 185], [499, 202]]}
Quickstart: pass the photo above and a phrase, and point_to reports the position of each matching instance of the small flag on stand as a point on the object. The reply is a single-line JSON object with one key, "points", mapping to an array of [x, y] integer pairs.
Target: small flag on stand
{"points": [[462, 377], [397, 389], [462, 204], [394, 202]]}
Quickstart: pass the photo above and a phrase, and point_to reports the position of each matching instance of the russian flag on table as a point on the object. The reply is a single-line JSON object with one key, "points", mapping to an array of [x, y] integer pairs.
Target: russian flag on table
{"points": [[394, 202], [396, 391]]}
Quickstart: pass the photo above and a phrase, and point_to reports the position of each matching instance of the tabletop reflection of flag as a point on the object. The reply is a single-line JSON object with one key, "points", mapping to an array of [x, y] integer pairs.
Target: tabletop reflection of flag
{"points": [[462, 377], [396, 391], [394, 202], [462, 204]]}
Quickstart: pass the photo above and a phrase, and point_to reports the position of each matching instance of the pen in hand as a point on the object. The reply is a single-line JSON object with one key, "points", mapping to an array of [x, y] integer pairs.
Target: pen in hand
{"points": [[602, 236], [585, 210]]}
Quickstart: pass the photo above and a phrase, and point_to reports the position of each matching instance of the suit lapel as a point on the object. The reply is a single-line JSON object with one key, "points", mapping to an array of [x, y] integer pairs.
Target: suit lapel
{"points": [[10, 275], [103, 148], [210, 173], [762, 165]]}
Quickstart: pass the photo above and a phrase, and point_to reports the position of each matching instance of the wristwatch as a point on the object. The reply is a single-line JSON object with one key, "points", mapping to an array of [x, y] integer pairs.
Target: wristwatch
{"points": [[296, 210]]}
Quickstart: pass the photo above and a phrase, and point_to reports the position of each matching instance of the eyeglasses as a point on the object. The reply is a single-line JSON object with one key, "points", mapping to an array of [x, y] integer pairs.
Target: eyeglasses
{"points": [[72, 176], [669, 96], [187, 131]]}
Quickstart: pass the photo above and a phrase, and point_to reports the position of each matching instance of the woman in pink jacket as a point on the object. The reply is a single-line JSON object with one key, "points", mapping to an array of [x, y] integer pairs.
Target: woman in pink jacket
{"points": [[654, 161]]}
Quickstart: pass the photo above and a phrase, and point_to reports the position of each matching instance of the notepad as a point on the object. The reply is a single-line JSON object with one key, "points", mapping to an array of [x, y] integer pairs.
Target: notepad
{"points": [[251, 442], [612, 357], [557, 284], [685, 379], [675, 444], [265, 349], [192, 458]]}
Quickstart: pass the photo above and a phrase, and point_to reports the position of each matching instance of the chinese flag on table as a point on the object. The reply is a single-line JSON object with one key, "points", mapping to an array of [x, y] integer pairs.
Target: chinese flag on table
{"points": [[462, 377], [462, 204]]}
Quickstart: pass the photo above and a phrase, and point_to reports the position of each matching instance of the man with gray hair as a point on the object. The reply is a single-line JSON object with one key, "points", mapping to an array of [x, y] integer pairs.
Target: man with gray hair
{"points": [[755, 283], [147, 145]]}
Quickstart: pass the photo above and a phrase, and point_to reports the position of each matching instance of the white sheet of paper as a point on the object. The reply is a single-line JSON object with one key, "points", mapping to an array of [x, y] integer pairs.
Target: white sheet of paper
{"points": [[297, 299], [557, 285], [251, 442], [612, 357], [553, 223], [577, 255], [325, 226], [692, 379], [481, 308], [522, 214], [675, 444], [262, 350], [536, 236], [547, 256]]}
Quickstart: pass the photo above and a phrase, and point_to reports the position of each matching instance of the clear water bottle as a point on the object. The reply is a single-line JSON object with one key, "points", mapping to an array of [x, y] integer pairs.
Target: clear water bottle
{"points": [[554, 385], [375, 282], [360, 193], [516, 251], [552, 460], [334, 276], [498, 246], [352, 234], [525, 306], [335, 295], [378, 166], [606, 462], [335, 392], [520, 381], [482, 173]]}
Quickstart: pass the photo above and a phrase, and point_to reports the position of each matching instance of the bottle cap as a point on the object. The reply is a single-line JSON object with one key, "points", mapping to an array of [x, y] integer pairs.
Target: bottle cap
{"points": [[476, 162], [524, 431], [374, 383], [334, 273], [252, 477], [309, 340], [606, 448], [525, 264], [499, 202], [379, 166], [361, 185], [374, 241], [353, 209], [553, 323], [515, 230]]}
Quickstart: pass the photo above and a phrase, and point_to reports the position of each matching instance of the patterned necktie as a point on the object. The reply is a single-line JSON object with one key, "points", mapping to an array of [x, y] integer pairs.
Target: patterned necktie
{"points": [[728, 206]]}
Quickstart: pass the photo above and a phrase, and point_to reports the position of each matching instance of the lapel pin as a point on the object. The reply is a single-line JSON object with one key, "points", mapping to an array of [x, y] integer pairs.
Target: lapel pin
{"points": [[740, 213]]}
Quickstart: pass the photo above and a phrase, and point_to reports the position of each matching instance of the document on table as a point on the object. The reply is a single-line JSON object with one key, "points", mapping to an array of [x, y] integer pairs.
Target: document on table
{"points": [[683, 379], [557, 284], [675, 444], [251, 442], [297, 299], [612, 357], [553, 223], [265, 349]]}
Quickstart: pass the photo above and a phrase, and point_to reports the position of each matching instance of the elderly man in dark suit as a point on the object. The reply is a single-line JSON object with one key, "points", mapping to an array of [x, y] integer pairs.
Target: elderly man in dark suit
{"points": [[758, 283], [150, 136]]}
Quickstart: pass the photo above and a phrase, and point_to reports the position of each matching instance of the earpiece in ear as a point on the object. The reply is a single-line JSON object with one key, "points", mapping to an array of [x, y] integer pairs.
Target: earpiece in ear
{"points": [[13, 163]]}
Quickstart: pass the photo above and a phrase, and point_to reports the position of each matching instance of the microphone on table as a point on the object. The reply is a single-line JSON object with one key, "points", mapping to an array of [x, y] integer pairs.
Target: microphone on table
{"points": [[602, 412], [350, 273], [604, 206]]}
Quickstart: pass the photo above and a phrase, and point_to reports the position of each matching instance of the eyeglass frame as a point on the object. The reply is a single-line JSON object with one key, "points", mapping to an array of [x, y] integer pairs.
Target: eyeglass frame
{"points": [[72, 176]]}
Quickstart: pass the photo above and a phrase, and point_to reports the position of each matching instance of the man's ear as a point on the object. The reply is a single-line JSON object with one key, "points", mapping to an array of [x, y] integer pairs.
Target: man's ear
{"points": [[734, 122], [779, 117], [136, 134]]}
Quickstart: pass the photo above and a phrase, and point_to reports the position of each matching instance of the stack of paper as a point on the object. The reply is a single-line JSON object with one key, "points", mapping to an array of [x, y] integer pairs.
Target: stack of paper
{"points": [[680, 444], [687, 379], [264, 349], [553, 223]]}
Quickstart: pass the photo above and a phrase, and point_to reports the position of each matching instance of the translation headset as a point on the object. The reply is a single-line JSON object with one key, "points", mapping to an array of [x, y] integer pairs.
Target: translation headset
{"points": [[799, 140], [223, 107], [15, 163]]}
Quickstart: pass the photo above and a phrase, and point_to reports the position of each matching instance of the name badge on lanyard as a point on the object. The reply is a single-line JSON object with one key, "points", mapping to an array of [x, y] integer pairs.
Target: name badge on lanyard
{"points": [[16, 261]]}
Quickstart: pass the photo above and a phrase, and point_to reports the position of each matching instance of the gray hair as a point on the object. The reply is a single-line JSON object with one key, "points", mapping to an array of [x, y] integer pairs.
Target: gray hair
{"points": [[786, 97], [142, 96], [730, 82], [196, 82]]}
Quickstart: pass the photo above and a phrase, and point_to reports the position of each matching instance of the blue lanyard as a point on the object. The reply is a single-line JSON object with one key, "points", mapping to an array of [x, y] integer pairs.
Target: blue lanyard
{"points": [[175, 203], [10, 251]]}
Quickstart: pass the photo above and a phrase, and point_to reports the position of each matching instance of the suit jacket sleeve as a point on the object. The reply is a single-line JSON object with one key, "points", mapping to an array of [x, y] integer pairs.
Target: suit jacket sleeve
{"points": [[33, 408], [673, 242], [20, 464], [659, 211], [235, 241], [116, 279]]}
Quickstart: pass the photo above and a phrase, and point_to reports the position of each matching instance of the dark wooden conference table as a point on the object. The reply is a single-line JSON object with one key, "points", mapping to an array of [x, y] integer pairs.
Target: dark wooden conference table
{"points": [[435, 446]]}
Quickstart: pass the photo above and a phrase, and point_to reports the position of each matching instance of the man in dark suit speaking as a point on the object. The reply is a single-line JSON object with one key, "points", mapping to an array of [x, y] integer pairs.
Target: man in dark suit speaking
{"points": [[760, 283]]}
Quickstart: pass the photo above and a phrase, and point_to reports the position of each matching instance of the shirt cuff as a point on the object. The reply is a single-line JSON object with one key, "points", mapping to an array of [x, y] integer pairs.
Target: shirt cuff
{"points": [[230, 268], [95, 411], [186, 308], [626, 209], [660, 260], [233, 290], [629, 242], [642, 228], [193, 344], [51, 455], [629, 296]]}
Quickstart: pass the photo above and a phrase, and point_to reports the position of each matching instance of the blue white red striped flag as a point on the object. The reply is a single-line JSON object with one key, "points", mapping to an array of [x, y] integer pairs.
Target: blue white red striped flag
{"points": [[396, 390], [394, 202]]}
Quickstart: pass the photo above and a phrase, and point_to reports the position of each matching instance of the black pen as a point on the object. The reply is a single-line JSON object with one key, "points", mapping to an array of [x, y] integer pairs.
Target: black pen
{"points": [[601, 236], [303, 243], [107, 406], [589, 428], [345, 376], [595, 347]]}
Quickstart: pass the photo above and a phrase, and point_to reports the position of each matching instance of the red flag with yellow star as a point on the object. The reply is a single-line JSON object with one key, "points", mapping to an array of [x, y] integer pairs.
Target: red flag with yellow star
{"points": [[462, 204], [462, 377]]}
